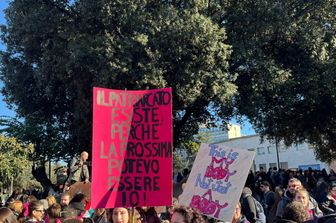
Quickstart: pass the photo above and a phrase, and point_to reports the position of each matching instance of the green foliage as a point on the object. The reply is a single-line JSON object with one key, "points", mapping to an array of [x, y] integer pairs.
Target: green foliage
{"points": [[184, 156], [284, 55], [279, 56], [58, 50], [14, 159]]}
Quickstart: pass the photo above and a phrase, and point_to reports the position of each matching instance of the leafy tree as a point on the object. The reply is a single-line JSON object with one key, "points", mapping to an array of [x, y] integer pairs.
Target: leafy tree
{"points": [[57, 50], [284, 55], [184, 156], [14, 159]]}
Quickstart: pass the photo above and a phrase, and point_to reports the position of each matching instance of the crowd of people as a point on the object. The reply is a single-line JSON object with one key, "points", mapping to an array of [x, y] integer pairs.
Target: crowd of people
{"points": [[290, 196], [268, 197]]}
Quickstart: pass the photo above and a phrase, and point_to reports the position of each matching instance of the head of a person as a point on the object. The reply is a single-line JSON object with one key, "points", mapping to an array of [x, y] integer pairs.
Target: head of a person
{"points": [[138, 218], [333, 189], [293, 185], [174, 204], [237, 213], [54, 211], [69, 213], [120, 215], [100, 211], [278, 190], [84, 156], [36, 210], [51, 200], [65, 199], [45, 204], [302, 196], [184, 214], [7, 216], [16, 206], [295, 211], [265, 186]]}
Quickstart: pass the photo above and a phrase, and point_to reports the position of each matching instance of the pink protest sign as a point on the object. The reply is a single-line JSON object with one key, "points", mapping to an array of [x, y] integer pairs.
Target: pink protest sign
{"points": [[216, 180], [131, 148]]}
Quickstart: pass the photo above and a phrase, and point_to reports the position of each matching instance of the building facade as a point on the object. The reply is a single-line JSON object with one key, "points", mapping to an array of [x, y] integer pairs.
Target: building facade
{"points": [[216, 134], [299, 156]]}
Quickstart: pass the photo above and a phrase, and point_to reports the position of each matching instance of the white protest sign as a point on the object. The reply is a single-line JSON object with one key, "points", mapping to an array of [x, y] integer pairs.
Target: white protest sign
{"points": [[216, 180]]}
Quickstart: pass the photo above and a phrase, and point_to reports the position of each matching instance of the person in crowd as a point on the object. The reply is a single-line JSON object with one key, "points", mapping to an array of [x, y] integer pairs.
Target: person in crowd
{"points": [[294, 184], [275, 177], [238, 217], [120, 215], [311, 179], [53, 214], [268, 197], [332, 176], [328, 206], [65, 200], [100, 215], [17, 207], [184, 214], [302, 195], [321, 190], [260, 177], [278, 192], [299, 175], [170, 209], [250, 180], [186, 173], [249, 209], [294, 212], [79, 203], [51, 200], [36, 212], [69, 214], [7, 216], [45, 204], [288, 196], [79, 171], [149, 214], [138, 218]]}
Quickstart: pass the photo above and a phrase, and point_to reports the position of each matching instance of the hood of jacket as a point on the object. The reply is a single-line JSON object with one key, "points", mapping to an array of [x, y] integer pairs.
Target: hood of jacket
{"points": [[247, 191]]}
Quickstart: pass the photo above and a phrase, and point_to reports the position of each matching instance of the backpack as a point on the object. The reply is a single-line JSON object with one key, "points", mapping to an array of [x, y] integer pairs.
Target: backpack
{"points": [[260, 214], [261, 217]]}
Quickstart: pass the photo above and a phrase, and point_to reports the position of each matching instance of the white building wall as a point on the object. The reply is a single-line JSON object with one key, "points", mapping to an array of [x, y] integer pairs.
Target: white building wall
{"points": [[294, 156]]}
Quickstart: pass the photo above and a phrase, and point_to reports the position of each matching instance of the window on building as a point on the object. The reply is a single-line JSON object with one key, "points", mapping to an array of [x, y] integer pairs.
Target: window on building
{"points": [[284, 165], [282, 148], [271, 165], [270, 149], [300, 147], [260, 150]]}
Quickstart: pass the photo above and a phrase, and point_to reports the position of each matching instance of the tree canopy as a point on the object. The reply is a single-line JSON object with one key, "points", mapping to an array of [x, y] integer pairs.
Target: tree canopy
{"points": [[272, 61], [57, 50], [284, 54], [14, 158]]}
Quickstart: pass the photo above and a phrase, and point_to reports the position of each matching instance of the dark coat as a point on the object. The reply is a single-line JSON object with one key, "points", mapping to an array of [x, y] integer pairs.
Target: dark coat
{"points": [[329, 205]]}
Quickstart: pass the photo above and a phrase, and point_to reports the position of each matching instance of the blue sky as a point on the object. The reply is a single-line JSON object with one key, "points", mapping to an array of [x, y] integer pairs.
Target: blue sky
{"points": [[3, 109], [246, 127]]}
